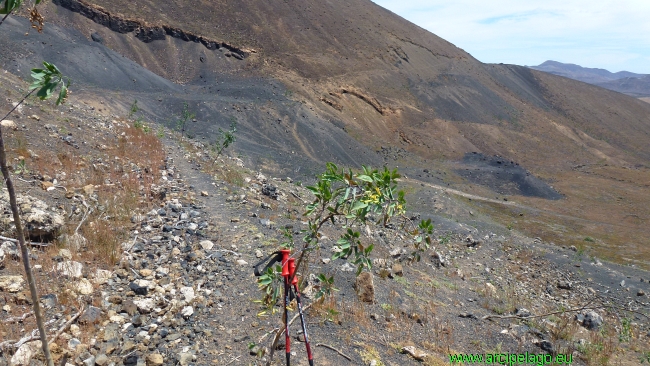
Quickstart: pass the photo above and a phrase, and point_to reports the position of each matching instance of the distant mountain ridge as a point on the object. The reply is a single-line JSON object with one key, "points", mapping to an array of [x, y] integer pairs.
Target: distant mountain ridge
{"points": [[636, 85]]}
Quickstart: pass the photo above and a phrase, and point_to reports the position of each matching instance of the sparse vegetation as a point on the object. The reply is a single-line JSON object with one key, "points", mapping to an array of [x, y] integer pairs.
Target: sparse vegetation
{"points": [[224, 138], [46, 82], [186, 116], [370, 356]]}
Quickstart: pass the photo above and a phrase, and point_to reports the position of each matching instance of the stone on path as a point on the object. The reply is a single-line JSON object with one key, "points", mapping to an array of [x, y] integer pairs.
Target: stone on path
{"points": [[365, 287]]}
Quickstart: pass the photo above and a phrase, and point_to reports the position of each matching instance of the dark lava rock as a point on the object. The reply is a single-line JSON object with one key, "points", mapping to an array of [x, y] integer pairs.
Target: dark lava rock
{"points": [[546, 346], [270, 190], [96, 37], [139, 290]]}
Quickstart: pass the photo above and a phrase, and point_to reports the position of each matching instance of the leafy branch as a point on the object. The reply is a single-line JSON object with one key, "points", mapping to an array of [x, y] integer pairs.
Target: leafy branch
{"points": [[349, 200], [225, 138]]}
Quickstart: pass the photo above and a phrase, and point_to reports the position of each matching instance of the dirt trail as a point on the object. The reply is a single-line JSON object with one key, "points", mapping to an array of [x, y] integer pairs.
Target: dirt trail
{"points": [[194, 177], [509, 203]]}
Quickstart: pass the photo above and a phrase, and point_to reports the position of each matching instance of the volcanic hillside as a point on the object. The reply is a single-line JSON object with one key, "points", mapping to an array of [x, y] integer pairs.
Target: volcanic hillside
{"points": [[313, 81]]}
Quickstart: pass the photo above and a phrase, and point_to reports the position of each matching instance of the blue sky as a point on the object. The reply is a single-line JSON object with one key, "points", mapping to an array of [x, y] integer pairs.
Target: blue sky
{"points": [[613, 35]]}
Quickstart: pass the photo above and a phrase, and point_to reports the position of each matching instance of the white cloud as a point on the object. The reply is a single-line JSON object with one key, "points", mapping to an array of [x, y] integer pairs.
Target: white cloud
{"points": [[592, 33]]}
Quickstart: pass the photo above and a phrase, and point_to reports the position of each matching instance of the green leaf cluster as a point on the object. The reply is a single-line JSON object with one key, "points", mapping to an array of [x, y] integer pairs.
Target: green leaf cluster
{"points": [[350, 200], [270, 283], [326, 286], [47, 80], [8, 6]]}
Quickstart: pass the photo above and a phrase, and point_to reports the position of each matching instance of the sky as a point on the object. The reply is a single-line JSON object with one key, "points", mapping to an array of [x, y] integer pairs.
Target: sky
{"points": [[613, 35]]}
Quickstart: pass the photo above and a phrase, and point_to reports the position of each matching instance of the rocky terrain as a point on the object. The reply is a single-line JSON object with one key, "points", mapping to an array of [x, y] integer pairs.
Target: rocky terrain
{"points": [[182, 290], [144, 239]]}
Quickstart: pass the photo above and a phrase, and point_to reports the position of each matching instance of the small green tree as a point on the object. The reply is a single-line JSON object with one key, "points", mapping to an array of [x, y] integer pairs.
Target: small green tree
{"points": [[186, 115], [225, 138], [46, 82], [348, 201], [134, 108]]}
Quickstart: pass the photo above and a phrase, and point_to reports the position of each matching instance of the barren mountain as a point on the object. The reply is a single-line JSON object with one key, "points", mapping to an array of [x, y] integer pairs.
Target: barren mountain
{"points": [[585, 74], [636, 87]]}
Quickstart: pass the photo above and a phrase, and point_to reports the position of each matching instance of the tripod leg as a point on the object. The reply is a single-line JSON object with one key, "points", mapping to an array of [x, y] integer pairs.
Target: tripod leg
{"points": [[304, 326], [286, 321]]}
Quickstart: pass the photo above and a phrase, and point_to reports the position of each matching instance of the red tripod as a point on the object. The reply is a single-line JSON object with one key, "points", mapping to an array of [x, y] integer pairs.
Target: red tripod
{"points": [[290, 292]]}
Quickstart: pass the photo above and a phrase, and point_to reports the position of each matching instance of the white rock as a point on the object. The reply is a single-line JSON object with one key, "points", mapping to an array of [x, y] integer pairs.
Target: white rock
{"points": [[65, 254], [70, 269], [39, 218], [101, 276], [489, 288], [145, 305], [10, 249], [150, 285], [117, 319], [188, 293], [259, 254], [2, 255], [241, 262], [11, 283], [187, 311], [75, 330], [84, 287], [206, 244], [76, 242], [25, 353], [8, 124]]}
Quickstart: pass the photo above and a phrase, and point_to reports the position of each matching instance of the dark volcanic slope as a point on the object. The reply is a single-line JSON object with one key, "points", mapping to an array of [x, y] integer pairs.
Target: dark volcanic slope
{"points": [[273, 130], [387, 80], [504, 176]]}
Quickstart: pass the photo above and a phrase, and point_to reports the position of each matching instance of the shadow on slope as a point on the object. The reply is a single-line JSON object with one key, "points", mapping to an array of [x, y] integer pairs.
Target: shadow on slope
{"points": [[504, 176]]}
